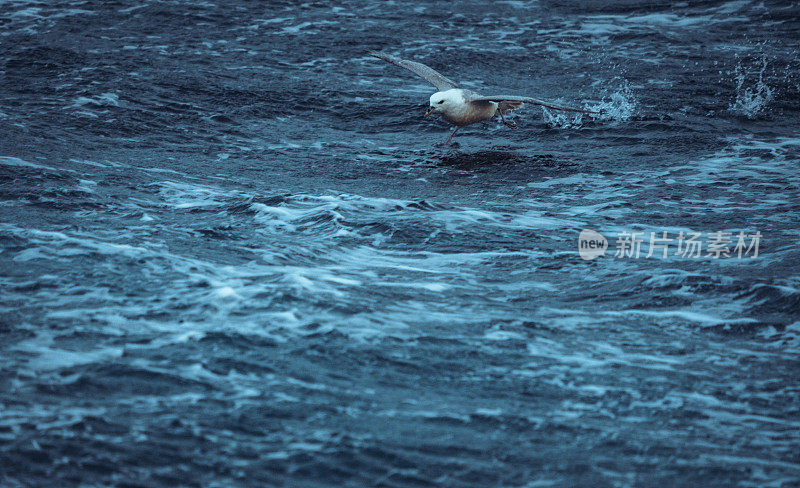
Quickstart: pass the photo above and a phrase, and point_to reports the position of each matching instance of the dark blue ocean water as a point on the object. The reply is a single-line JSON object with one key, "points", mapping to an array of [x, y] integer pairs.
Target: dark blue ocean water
{"points": [[233, 254]]}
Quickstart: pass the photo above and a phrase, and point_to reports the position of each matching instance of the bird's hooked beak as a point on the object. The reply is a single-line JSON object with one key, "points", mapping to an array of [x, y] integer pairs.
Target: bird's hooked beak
{"points": [[430, 111]]}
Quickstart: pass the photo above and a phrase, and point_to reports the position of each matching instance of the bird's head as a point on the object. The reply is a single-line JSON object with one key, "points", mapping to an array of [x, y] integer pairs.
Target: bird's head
{"points": [[443, 101]]}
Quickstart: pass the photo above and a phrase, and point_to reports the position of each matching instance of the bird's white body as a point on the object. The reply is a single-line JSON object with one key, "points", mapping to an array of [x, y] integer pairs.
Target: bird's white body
{"points": [[455, 107]]}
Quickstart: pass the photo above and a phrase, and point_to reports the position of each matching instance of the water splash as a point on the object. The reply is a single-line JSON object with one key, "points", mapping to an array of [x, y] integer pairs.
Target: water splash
{"points": [[751, 101], [562, 120], [619, 105]]}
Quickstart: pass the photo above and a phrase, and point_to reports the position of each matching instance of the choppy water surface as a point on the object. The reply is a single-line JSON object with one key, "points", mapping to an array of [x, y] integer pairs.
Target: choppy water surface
{"points": [[233, 256]]}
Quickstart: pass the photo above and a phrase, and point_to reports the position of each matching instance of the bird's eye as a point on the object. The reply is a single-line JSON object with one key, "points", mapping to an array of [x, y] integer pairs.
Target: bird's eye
{"points": [[441, 102]]}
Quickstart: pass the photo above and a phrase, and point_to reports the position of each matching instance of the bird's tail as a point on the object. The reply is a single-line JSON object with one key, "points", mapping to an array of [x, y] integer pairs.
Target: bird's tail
{"points": [[506, 106]]}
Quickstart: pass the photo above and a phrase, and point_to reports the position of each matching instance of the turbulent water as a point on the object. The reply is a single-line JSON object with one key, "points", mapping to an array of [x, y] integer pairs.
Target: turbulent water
{"points": [[232, 253]]}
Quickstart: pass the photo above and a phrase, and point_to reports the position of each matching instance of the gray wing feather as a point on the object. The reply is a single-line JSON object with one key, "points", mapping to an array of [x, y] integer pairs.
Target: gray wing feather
{"points": [[533, 101], [435, 78]]}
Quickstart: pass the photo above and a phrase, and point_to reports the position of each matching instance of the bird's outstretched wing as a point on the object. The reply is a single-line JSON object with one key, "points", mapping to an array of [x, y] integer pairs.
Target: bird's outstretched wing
{"points": [[435, 78], [533, 101]]}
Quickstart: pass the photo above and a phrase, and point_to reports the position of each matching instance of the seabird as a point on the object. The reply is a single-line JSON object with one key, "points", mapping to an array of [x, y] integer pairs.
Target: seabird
{"points": [[463, 107]]}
